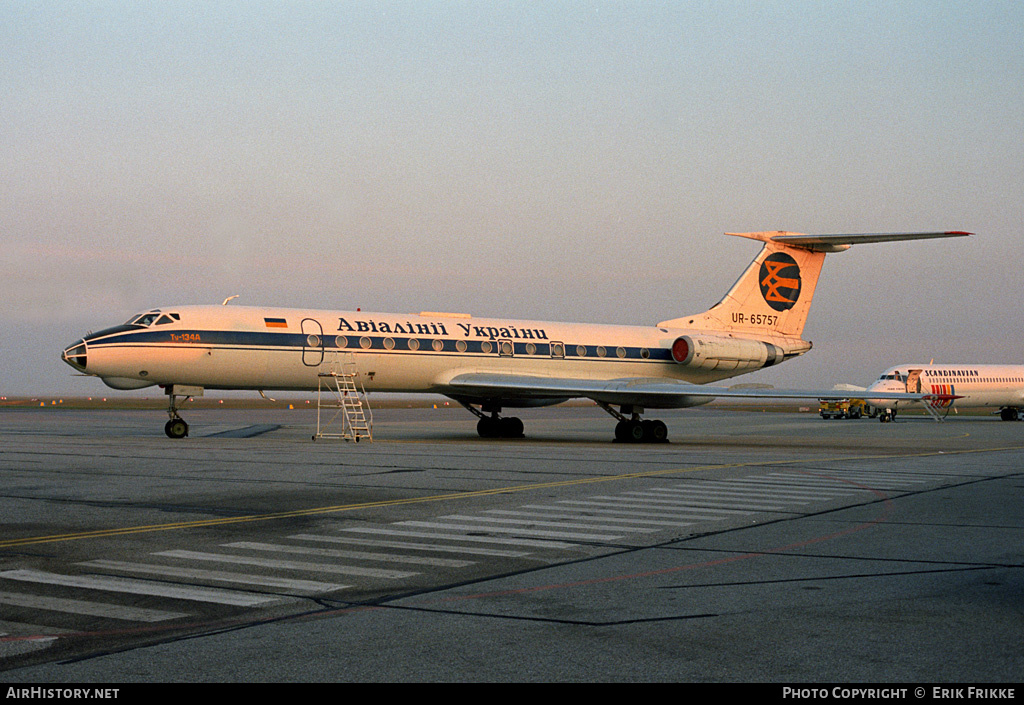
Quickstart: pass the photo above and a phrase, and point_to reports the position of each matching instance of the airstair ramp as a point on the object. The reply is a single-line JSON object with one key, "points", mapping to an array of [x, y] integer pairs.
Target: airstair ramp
{"points": [[342, 410]]}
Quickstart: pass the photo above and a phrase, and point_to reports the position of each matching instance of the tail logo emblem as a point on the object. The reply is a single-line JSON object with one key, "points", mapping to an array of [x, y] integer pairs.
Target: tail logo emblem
{"points": [[780, 281]]}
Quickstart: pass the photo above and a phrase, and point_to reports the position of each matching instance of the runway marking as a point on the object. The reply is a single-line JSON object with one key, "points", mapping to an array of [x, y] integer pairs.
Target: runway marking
{"points": [[468, 550], [140, 587], [693, 503], [719, 496], [737, 499], [462, 537], [687, 511], [552, 513], [87, 608], [885, 479], [313, 511], [313, 587], [357, 555], [886, 510], [534, 522], [786, 481], [879, 480], [808, 492], [287, 565], [518, 531]]}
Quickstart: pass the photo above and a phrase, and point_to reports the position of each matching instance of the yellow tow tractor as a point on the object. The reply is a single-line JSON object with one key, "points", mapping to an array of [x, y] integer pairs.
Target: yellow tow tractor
{"points": [[843, 408]]}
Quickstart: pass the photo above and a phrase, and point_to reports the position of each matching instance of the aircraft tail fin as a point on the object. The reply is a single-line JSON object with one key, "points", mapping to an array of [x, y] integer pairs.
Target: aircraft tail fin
{"points": [[773, 295]]}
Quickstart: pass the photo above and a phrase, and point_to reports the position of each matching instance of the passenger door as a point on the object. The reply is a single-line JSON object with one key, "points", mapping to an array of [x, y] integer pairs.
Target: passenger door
{"points": [[312, 342]]}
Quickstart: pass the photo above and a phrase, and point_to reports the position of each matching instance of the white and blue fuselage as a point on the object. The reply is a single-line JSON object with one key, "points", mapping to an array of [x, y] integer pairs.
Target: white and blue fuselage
{"points": [[236, 347], [955, 386]]}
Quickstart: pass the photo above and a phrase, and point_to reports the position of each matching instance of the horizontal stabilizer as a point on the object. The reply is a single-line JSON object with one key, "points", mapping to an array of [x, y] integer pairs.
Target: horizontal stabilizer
{"points": [[834, 243]]}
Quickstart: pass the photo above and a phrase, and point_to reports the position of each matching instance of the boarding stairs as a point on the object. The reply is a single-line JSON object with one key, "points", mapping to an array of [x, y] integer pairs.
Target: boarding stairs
{"points": [[341, 399]]}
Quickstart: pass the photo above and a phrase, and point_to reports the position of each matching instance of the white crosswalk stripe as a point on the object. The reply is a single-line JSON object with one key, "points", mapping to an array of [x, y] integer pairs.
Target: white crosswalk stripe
{"points": [[140, 587], [544, 512], [717, 494], [776, 491], [357, 555], [560, 524], [88, 608], [576, 536], [461, 537], [287, 565], [305, 587], [694, 498], [413, 546], [687, 504], [809, 486], [632, 507]]}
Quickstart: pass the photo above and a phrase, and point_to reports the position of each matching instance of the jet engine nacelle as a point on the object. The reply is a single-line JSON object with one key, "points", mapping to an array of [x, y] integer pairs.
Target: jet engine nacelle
{"points": [[716, 353]]}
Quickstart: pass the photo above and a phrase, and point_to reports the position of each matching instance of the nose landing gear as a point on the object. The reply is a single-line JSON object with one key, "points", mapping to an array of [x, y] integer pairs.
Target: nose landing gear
{"points": [[176, 426]]}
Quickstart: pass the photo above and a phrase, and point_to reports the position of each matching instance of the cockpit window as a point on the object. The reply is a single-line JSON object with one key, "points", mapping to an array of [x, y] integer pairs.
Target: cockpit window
{"points": [[144, 319], [164, 320], [895, 376]]}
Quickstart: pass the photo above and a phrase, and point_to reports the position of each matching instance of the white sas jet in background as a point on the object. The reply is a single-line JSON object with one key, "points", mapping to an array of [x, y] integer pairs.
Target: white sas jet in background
{"points": [[489, 364], [953, 386]]}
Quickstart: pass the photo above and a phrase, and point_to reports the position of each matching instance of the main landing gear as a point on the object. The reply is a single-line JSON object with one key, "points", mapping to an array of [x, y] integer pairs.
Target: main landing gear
{"points": [[494, 425], [634, 429]]}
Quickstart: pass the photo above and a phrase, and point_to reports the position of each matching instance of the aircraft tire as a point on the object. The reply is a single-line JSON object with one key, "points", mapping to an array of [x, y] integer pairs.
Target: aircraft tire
{"points": [[511, 427], [658, 432], [493, 427], [646, 431], [176, 428], [630, 431], [488, 427]]}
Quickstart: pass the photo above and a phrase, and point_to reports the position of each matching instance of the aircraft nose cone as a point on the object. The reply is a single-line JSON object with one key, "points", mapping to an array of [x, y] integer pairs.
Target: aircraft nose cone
{"points": [[75, 355]]}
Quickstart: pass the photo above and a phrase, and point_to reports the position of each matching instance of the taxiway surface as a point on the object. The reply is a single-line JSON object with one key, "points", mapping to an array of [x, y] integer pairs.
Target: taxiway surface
{"points": [[755, 547]]}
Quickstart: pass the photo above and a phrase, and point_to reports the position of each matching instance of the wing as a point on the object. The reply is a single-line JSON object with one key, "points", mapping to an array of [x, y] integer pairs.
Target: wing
{"points": [[523, 390]]}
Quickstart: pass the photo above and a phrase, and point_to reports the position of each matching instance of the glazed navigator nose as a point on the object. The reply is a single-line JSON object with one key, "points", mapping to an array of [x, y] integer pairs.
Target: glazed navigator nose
{"points": [[75, 355]]}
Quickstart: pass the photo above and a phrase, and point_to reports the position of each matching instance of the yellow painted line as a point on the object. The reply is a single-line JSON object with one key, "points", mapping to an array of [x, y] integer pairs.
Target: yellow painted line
{"points": [[312, 511]]}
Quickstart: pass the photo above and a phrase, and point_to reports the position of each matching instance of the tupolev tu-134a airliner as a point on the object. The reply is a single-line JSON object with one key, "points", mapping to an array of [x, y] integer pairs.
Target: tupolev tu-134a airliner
{"points": [[486, 364]]}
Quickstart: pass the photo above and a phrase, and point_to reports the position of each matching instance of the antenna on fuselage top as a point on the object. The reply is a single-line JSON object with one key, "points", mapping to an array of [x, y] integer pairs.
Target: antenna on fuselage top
{"points": [[229, 299]]}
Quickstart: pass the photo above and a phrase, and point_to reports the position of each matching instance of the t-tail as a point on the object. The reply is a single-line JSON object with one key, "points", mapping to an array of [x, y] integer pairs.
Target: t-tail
{"points": [[773, 296]]}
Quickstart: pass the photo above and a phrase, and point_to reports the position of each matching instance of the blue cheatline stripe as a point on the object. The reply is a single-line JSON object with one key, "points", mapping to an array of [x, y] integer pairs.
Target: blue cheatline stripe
{"points": [[261, 339]]}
